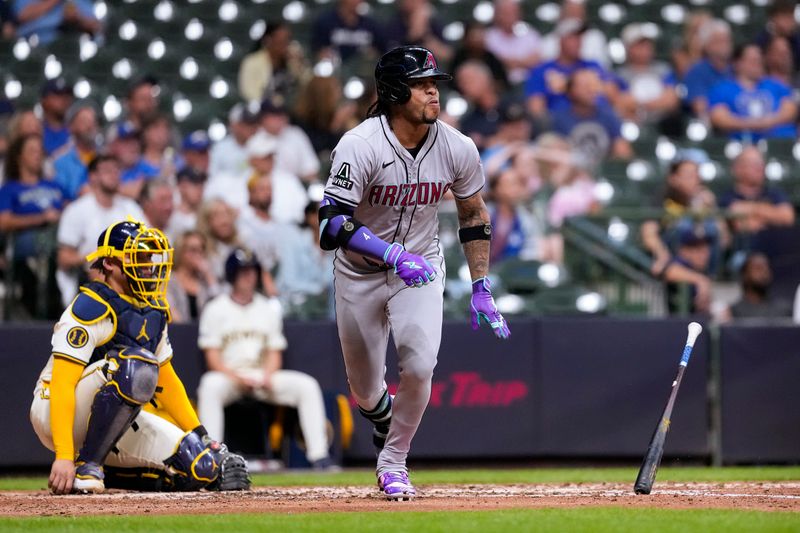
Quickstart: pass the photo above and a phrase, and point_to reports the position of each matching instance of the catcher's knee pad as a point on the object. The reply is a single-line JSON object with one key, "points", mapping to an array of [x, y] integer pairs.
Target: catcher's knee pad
{"points": [[193, 464], [133, 371]]}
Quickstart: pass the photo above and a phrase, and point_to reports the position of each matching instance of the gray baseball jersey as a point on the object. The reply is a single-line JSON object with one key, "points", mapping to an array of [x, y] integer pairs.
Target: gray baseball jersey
{"points": [[396, 196]]}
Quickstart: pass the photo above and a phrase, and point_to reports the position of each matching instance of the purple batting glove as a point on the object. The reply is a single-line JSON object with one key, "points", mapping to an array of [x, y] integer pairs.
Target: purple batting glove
{"points": [[482, 306], [414, 269]]}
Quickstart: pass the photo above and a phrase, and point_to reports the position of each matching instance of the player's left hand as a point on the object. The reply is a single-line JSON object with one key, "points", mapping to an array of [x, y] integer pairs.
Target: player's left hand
{"points": [[483, 306]]}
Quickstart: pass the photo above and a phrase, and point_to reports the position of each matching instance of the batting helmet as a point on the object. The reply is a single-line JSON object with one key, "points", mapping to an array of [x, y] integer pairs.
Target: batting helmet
{"points": [[240, 258], [397, 67]]}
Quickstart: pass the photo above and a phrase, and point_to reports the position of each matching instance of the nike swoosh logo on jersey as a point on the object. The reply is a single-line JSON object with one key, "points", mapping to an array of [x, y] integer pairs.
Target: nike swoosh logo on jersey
{"points": [[387, 164]]}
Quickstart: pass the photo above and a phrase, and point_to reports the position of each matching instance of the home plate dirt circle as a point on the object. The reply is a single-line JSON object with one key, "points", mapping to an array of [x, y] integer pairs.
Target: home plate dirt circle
{"points": [[770, 496]]}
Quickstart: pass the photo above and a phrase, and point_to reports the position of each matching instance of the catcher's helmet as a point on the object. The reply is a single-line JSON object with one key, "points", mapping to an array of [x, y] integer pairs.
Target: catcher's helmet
{"points": [[397, 67], [240, 258], [146, 258]]}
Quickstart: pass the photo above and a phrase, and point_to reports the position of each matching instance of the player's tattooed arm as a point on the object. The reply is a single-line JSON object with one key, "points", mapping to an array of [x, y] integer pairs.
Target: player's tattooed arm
{"points": [[472, 212]]}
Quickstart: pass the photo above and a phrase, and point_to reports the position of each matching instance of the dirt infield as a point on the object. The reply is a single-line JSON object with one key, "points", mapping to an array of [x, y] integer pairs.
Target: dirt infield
{"points": [[739, 495]]}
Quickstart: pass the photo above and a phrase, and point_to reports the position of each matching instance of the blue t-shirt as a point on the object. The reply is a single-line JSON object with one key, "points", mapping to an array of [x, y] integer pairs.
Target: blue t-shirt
{"points": [[591, 135], [70, 173], [702, 77], [54, 139], [769, 195], [46, 26], [550, 79], [141, 170], [25, 199], [330, 30], [765, 99]]}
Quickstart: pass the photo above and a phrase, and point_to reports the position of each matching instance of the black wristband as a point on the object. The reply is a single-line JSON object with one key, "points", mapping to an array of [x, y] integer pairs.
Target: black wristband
{"points": [[200, 431], [475, 233]]}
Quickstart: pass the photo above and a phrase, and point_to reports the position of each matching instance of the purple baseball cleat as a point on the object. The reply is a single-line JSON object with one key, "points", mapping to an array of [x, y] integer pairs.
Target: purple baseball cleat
{"points": [[396, 486]]}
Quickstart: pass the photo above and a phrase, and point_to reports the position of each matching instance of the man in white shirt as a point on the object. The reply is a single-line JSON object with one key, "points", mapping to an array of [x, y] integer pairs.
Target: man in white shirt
{"points": [[594, 46], [228, 157], [513, 41], [191, 184], [295, 153], [241, 334], [86, 218]]}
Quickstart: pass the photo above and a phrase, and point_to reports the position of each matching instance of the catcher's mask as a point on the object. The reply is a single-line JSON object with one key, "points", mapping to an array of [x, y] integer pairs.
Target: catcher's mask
{"points": [[145, 255]]}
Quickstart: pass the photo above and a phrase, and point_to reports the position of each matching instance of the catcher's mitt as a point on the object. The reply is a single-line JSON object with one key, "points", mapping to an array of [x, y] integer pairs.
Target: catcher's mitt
{"points": [[233, 473]]}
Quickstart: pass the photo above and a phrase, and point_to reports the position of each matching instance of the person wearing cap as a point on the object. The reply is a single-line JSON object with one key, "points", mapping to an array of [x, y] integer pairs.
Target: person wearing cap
{"points": [[86, 218], [262, 233], [56, 98], [757, 301], [191, 184], [46, 19], [594, 45], [295, 153], [651, 91], [751, 106], [194, 151], [545, 88], [782, 23], [344, 32], [691, 265], [593, 129], [717, 42], [125, 145], [513, 41], [71, 161], [228, 157]]}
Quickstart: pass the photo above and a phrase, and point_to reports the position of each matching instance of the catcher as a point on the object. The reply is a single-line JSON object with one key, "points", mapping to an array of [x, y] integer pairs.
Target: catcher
{"points": [[111, 355]]}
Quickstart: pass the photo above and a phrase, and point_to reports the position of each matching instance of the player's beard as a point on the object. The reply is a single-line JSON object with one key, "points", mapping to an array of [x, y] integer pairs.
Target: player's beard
{"points": [[429, 117]]}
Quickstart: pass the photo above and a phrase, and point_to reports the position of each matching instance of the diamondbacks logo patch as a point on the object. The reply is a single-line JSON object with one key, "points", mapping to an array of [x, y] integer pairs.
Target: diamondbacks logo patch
{"points": [[342, 177], [430, 62], [77, 337]]}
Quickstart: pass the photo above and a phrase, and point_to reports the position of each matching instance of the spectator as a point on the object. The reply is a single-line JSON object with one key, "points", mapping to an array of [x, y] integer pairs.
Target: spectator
{"points": [[473, 48], [274, 68], [513, 41], [513, 134], [70, 163], [756, 300], [217, 223], [688, 50], [715, 36], [141, 103], [258, 229], [342, 33], [228, 157], [782, 23], [751, 205], [194, 151], [593, 46], [651, 85], [592, 128], [8, 24], [46, 19], [157, 203], [241, 335], [28, 204], [56, 98], [124, 144], [474, 82], [690, 267], [779, 64], [514, 230], [686, 202], [192, 284], [323, 113], [190, 190], [22, 123], [86, 218], [416, 23], [751, 106], [295, 153], [546, 86], [158, 156], [306, 270]]}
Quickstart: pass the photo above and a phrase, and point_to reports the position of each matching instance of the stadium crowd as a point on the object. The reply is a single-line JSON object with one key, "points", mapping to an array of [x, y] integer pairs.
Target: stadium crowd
{"points": [[549, 113]]}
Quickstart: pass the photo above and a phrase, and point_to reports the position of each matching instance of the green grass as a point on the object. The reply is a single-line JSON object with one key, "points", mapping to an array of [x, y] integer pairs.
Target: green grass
{"points": [[527, 475], [592, 519]]}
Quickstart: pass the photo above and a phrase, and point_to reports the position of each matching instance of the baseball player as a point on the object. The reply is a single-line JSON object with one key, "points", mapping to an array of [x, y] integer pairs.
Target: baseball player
{"points": [[111, 355], [388, 177], [241, 334]]}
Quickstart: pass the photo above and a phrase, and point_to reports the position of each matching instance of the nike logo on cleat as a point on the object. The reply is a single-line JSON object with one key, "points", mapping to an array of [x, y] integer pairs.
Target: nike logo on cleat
{"points": [[387, 164]]}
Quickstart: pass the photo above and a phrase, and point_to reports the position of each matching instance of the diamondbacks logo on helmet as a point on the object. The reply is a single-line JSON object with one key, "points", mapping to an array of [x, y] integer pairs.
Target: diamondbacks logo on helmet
{"points": [[430, 62]]}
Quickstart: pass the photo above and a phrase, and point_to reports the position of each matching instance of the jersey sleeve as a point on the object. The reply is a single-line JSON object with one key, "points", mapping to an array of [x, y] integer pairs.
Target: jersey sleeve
{"points": [[276, 340], [350, 170], [469, 177], [75, 341], [209, 335]]}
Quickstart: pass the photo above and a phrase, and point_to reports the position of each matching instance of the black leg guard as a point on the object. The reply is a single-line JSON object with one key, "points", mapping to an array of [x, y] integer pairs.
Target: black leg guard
{"points": [[381, 418], [133, 377]]}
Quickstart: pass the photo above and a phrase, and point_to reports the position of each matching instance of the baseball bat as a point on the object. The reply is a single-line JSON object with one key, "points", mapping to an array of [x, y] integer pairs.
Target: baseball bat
{"points": [[647, 473]]}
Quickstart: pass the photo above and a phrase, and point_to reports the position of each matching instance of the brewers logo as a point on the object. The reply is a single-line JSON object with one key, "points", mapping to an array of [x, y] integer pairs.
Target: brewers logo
{"points": [[77, 337]]}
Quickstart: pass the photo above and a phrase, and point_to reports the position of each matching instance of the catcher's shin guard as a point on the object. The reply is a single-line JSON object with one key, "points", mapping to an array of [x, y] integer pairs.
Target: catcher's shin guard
{"points": [[193, 465], [133, 377], [381, 418]]}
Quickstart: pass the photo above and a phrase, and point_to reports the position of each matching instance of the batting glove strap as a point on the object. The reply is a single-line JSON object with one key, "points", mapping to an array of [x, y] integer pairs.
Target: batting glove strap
{"points": [[482, 306]]}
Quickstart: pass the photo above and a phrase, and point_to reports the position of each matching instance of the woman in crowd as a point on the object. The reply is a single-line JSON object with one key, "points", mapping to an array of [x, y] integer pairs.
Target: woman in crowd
{"points": [[192, 283]]}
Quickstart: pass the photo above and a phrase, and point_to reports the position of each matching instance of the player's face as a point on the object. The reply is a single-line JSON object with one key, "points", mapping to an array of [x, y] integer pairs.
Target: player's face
{"points": [[423, 106]]}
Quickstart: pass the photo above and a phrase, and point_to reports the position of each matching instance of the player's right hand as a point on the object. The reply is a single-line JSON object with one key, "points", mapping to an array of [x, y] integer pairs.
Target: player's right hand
{"points": [[413, 269], [62, 474]]}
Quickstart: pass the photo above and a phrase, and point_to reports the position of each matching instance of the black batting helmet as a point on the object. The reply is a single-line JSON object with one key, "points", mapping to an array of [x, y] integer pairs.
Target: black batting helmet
{"points": [[397, 67], [240, 258]]}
